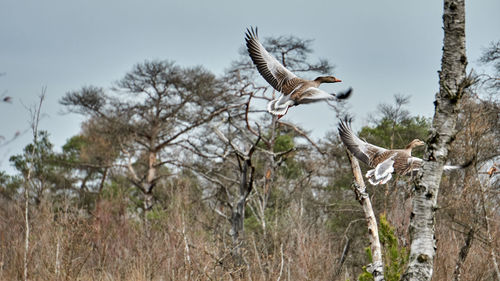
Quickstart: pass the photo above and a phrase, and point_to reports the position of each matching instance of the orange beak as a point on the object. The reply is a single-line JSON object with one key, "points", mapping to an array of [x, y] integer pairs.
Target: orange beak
{"points": [[337, 80]]}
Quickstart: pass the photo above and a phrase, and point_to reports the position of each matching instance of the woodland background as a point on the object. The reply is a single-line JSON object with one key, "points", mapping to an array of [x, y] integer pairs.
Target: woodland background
{"points": [[181, 175]]}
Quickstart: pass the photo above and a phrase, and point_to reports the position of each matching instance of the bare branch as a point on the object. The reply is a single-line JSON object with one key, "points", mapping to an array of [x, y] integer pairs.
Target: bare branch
{"points": [[304, 135], [377, 266]]}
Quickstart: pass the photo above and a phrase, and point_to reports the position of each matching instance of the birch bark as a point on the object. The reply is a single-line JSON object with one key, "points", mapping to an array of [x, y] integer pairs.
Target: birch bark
{"points": [[376, 268], [452, 84]]}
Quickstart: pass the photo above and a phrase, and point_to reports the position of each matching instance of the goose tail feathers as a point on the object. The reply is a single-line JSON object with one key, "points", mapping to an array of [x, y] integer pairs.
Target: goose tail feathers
{"points": [[452, 167], [343, 95], [373, 180], [458, 167], [277, 109]]}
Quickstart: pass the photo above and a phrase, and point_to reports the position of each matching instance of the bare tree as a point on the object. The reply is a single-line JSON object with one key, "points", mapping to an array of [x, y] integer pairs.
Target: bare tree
{"points": [[35, 120], [245, 185], [469, 198], [395, 112], [492, 56], [244, 165], [152, 109], [293, 53], [376, 268], [453, 83]]}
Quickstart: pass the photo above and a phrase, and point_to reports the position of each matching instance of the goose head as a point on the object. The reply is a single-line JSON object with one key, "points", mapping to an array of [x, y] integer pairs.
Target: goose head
{"points": [[327, 79], [414, 143]]}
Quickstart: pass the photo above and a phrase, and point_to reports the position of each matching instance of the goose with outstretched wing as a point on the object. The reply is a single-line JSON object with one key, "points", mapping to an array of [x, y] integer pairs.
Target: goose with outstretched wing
{"points": [[294, 90], [383, 161]]}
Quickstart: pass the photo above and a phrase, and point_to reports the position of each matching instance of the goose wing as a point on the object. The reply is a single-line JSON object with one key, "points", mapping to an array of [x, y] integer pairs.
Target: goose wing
{"points": [[414, 164], [362, 150], [313, 94], [273, 72], [384, 168], [280, 106]]}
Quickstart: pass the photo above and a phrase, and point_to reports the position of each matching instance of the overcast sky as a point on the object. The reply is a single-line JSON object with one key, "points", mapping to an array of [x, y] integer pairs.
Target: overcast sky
{"points": [[380, 48]]}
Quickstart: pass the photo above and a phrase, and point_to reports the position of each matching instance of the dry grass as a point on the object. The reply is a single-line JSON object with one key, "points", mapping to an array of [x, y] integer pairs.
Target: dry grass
{"points": [[109, 244], [188, 241]]}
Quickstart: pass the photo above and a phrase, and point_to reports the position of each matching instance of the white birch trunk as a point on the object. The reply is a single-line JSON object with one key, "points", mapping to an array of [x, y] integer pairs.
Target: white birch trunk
{"points": [[35, 119], [452, 82], [376, 268]]}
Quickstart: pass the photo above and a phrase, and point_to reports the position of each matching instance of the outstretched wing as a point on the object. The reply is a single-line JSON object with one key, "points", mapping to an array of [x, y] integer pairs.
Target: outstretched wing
{"points": [[362, 150], [313, 94], [414, 164], [280, 106], [273, 72], [384, 168]]}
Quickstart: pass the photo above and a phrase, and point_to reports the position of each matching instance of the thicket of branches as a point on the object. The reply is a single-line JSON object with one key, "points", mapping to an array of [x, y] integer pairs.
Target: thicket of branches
{"points": [[180, 175]]}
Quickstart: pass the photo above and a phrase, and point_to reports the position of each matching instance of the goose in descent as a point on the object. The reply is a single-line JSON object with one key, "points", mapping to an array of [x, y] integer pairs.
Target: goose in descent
{"points": [[383, 161], [295, 90]]}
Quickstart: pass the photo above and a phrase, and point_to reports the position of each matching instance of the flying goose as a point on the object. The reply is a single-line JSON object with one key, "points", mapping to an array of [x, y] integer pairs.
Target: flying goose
{"points": [[295, 90], [383, 161]]}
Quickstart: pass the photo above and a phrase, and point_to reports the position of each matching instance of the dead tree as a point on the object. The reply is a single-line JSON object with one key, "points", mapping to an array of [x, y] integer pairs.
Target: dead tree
{"points": [[489, 236], [376, 268], [246, 170], [464, 251], [149, 112], [35, 120], [453, 83]]}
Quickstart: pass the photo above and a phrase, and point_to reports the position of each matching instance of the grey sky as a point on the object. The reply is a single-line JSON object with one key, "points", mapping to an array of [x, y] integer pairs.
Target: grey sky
{"points": [[380, 48]]}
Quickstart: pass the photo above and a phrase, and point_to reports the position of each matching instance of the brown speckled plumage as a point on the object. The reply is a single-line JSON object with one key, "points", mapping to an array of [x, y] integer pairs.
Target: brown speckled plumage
{"points": [[295, 90], [384, 161]]}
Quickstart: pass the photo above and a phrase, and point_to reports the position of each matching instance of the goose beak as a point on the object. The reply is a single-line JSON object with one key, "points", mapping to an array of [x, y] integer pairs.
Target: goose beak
{"points": [[337, 80]]}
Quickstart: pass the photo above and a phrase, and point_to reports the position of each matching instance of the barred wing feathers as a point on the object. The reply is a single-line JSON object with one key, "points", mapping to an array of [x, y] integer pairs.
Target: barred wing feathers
{"points": [[273, 72]]}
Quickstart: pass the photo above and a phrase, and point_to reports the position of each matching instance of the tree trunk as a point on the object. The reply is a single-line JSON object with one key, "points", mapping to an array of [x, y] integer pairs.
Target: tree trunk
{"points": [[376, 268], [464, 251], [148, 201], [452, 82], [237, 217], [238, 209], [150, 181], [489, 237], [35, 120]]}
